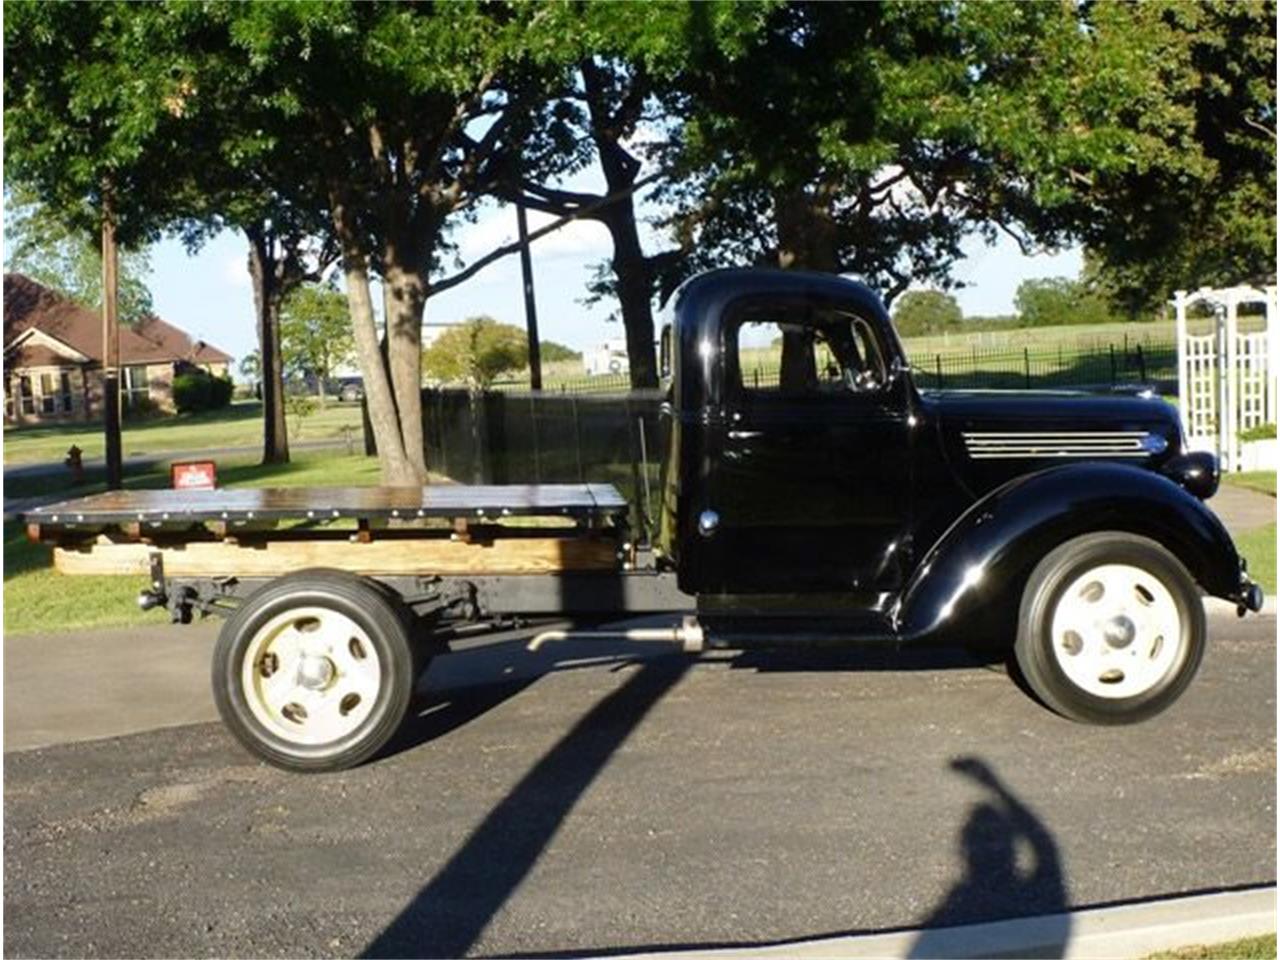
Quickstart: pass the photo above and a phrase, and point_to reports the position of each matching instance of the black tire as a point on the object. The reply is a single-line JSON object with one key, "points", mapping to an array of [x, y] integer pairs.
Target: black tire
{"points": [[1038, 660], [377, 613]]}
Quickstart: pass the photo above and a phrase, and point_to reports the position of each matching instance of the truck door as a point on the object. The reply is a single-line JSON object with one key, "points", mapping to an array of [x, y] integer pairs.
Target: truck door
{"points": [[813, 481]]}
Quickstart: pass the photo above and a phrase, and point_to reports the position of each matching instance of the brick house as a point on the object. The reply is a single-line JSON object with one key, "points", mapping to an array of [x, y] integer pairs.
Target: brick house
{"points": [[53, 357]]}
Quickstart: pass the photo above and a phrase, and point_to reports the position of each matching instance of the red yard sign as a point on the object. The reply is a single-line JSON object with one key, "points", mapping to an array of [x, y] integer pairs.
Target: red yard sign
{"points": [[193, 475]]}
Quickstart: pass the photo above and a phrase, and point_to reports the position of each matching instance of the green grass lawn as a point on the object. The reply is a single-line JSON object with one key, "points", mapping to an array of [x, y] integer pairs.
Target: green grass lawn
{"points": [[37, 598], [1258, 546], [1264, 481], [1249, 948], [239, 425]]}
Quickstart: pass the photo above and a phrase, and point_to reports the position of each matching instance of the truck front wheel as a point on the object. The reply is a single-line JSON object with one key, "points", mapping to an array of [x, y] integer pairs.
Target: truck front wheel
{"points": [[315, 671], [1111, 629]]}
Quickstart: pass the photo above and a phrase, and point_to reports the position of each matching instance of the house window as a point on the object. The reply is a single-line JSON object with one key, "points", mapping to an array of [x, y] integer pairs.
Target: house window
{"points": [[28, 399], [136, 386], [64, 384], [48, 397]]}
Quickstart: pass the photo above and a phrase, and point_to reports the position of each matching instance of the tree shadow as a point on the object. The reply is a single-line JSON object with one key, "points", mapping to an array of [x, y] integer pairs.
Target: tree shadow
{"points": [[1012, 868], [450, 912]]}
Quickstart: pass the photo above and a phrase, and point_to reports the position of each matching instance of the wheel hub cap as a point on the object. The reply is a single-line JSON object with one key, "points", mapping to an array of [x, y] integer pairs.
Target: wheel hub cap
{"points": [[1116, 631], [1119, 632], [315, 673], [311, 676]]}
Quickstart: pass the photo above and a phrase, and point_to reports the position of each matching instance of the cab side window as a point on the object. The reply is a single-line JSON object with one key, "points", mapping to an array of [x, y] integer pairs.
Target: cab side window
{"points": [[798, 350]]}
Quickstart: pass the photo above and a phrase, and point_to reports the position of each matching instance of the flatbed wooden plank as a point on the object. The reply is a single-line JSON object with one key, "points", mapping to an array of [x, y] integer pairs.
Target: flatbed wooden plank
{"points": [[449, 501], [392, 557]]}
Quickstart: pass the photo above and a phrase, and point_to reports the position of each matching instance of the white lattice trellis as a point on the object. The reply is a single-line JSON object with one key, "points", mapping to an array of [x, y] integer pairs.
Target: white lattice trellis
{"points": [[1226, 379]]}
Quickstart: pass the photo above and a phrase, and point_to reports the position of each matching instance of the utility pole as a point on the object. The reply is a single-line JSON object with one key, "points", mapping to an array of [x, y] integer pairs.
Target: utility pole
{"points": [[110, 348], [530, 308]]}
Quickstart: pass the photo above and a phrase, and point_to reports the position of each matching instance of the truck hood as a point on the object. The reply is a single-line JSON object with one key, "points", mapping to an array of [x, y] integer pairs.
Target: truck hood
{"points": [[1068, 410], [991, 436]]}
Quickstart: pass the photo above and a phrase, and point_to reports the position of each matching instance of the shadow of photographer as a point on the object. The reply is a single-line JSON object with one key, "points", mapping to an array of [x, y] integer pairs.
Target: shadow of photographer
{"points": [[1012, 868]]}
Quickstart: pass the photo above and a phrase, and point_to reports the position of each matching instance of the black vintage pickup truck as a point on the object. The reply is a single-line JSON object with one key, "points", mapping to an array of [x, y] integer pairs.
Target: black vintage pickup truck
{"points": [[831, 502]]}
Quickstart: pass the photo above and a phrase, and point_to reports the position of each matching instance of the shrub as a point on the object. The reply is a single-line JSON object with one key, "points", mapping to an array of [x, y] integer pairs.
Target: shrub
{"points": [[141, 408], [196, 390], [1263, 431]]}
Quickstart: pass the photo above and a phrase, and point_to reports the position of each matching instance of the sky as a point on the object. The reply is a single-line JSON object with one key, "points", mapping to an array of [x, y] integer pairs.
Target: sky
{"points": [[209, 295]]}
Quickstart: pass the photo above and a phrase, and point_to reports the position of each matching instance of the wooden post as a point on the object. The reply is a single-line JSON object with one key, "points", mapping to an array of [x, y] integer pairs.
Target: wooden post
{"points": [[530, 307], [1180, 342], [110, 350]]}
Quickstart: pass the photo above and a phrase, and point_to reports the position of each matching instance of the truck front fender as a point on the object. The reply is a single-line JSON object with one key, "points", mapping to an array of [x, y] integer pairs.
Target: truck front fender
{"points": [[974, 574]]}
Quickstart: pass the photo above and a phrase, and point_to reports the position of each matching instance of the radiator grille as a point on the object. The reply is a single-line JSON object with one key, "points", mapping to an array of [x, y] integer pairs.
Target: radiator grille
{"points": [[1078, 444]]}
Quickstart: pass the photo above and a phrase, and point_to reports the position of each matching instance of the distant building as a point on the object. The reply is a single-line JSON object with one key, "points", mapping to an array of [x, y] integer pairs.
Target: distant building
{"points": [[53, 357], [609, 357]]}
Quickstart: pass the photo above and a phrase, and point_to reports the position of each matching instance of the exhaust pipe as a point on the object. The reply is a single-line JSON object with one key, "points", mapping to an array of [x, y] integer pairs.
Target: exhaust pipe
{"points": [[687, 635]]}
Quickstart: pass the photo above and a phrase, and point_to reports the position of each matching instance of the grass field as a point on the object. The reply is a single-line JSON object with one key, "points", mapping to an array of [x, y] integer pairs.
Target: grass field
{"points": [[1249, 948], [239, 425], [1061, 355], [37, 598]]}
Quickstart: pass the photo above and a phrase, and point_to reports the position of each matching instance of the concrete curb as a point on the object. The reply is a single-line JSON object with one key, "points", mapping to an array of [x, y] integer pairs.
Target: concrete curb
{"points": [[1133, 930], [1217, 607]]}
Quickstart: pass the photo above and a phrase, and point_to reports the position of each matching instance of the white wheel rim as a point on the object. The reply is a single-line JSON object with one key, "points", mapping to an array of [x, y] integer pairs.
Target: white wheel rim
{"points": [[1116, 631], [311, 675]]}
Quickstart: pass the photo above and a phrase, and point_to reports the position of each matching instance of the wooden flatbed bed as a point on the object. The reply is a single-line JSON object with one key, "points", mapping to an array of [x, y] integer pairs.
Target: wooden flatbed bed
{"points": [[444, 529]]}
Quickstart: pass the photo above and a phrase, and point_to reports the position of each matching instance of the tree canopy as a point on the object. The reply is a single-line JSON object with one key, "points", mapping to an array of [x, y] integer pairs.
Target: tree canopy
{"points": [[922, 312], [476, 352], [871, 138]]}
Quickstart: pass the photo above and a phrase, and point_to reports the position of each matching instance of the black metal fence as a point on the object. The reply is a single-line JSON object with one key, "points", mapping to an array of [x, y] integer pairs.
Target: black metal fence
{"points": [[1107, 365], [1131, 360], [548, 437]]}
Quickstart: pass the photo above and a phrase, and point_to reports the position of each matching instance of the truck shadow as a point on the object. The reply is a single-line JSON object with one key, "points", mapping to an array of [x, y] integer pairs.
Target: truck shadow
{"points": [[870, 657], [461, 686], [447, 915]]}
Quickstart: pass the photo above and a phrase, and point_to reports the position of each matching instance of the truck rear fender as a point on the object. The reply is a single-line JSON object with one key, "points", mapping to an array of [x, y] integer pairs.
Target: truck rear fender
{"points": [[973, 575]]}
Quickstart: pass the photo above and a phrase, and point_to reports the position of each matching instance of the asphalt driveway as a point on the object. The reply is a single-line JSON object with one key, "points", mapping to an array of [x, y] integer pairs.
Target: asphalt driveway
{"points": [[586, 800]]}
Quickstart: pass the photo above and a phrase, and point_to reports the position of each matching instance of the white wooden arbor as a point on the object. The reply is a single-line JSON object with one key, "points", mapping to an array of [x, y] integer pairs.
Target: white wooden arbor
{"points": [[1226, 379]]}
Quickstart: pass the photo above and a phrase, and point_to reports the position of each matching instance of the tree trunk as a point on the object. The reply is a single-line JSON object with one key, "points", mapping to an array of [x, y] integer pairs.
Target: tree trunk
{"points": [[634, 293], [266, 299], [635, 290], [806, 229], [405, 300], [396, 468]]}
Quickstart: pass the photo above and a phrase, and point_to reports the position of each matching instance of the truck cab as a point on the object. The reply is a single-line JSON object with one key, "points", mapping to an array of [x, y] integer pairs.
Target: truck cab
{"points": [[808, 476]]}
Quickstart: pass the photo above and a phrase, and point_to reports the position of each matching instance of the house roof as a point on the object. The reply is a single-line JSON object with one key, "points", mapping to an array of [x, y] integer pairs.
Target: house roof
{"points": [[30, 305], [174, 341]]}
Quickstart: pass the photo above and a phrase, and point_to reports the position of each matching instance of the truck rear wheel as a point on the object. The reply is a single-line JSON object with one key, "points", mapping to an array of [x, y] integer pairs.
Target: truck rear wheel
{"points": [[1111, 629], [315, 671]]}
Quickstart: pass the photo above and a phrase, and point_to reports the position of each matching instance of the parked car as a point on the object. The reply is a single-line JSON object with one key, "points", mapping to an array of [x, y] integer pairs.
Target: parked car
{"points": [[350, 389]]}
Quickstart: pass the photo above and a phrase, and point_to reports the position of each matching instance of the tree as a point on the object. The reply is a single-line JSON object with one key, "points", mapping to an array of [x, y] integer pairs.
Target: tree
{"points": [[315, 333], [925, 123], [1202, 210], [404, 115], [1055, 301], [88, 136], [920, 312], [41, 246], [476, 352], [553, 352], [251, 365]]}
